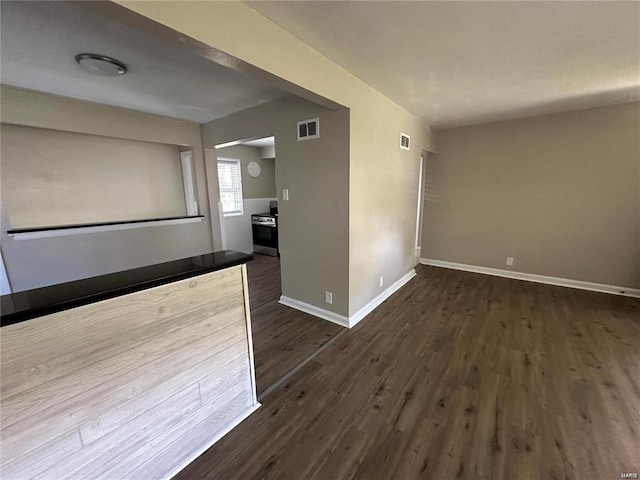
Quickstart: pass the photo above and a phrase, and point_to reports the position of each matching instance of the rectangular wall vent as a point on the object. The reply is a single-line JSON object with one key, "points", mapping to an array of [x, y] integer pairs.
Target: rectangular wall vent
{"points": [[405, 141], [308, 129]]}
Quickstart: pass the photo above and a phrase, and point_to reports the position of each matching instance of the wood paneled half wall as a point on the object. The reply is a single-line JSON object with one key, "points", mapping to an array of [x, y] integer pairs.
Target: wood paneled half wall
{"points": [[131, 387]]}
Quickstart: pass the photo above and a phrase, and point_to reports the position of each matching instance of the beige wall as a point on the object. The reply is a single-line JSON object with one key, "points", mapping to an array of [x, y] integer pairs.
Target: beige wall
{"points": [[382, 178], [263, 186], [40, 262], [314, 223], [51, 177], [559, 193]]}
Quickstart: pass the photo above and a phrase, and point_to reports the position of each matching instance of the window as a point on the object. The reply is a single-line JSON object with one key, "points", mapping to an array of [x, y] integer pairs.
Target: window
{"points": [[230, 181]]}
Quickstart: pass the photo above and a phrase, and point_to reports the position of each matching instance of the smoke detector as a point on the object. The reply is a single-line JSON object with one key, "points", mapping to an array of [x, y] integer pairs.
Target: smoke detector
{"points": [[101, 64]]}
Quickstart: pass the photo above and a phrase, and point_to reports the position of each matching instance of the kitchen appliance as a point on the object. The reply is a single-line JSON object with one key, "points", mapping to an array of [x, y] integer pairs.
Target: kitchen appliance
{"points": [[273, 207], [265, 233]]}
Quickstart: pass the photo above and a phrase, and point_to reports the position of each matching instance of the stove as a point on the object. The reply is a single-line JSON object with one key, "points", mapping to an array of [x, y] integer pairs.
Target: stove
{"points": [[265, 233]]}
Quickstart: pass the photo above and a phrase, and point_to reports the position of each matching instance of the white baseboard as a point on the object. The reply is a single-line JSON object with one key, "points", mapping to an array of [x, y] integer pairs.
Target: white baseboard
{"points": [[532, 277], [416, 255], [315, 311], [209, 444], [352, 320], [371, 306]]}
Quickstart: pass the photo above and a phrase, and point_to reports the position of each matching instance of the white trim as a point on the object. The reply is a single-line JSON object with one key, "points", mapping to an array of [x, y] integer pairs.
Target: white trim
{"points": [[416, 255], [260, 199], [65, 232], [352, 320], [373, 304], [419, 207], [247, 313], [315, 311], [5, 285], [223, 236], [186, 159], [208, 445], [532, 277]]}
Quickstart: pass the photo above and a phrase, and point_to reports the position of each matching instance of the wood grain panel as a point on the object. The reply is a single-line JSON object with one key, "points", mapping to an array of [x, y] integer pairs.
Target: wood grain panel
{"points": [[168, 350], [27, 353], [60, 407], [122, 385], [137, 340], [214, 385], [167, 385], [207, 424], [23, 466], [139, 436]]}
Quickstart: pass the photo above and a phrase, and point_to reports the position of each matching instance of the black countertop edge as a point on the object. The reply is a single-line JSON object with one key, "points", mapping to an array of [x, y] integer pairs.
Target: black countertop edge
{"points": [[100, 224], [29, 304]]}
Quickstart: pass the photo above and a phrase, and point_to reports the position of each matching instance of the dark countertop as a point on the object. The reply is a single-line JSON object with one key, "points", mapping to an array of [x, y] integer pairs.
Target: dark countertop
{"points": [[20, 306]]}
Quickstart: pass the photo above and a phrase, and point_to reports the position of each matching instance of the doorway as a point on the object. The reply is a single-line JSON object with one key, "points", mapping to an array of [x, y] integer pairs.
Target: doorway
{"points": [[247, 185], [283, 338]]}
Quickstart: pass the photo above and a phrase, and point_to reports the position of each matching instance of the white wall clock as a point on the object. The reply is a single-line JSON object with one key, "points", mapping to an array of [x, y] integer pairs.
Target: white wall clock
{"points": [[254, 169]]}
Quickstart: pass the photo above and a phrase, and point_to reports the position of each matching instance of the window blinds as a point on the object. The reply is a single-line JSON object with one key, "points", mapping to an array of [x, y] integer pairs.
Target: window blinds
{"points": [[230, 181]]}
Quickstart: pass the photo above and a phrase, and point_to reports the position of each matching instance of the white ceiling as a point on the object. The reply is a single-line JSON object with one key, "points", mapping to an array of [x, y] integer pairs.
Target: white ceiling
{"points": [[457, 63], [39, 41], [261, 142]]}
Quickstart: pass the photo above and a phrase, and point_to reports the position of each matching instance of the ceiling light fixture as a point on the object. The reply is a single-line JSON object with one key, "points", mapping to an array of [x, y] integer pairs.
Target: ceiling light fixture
{"points": [[101, 65]]}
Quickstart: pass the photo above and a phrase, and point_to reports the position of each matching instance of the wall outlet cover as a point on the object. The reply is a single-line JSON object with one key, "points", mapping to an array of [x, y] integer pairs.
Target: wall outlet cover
{"points": [[328, 297], [381, 280], [509, 260]]}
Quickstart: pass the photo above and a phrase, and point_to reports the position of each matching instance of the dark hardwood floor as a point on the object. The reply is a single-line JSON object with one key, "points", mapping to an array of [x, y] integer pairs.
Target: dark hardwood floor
{"points": [[457, 375], [282, 337]]}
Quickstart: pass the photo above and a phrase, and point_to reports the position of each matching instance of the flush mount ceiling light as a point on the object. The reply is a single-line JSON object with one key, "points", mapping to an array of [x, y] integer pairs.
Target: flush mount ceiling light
{"points": [[101, 65]]}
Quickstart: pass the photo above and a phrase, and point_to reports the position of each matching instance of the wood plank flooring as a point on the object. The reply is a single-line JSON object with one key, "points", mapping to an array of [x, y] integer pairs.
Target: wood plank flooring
{"points": [[282, 337], [457, 375]]}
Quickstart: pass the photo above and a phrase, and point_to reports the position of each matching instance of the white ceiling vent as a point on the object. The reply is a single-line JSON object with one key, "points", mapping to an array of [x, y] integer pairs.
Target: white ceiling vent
{"points": [[405, 141], [308, 129]]}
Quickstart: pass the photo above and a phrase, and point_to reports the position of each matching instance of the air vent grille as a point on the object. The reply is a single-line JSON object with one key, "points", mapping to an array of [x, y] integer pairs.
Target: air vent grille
{"points": [[405, 141], [308, 129]]}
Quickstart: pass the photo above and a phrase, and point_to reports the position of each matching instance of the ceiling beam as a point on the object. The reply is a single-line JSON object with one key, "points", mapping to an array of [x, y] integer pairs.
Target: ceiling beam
{"points": [[138, 22]]}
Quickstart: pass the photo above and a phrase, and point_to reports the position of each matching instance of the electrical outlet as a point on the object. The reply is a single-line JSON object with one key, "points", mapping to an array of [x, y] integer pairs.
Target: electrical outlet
{"points": [[285, 194], [509, 260], [328, 297], [381, 280]]}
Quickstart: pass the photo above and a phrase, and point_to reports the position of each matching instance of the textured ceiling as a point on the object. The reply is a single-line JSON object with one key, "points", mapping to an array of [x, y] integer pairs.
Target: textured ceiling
{"points": [[39, 41], [456, 63]]}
